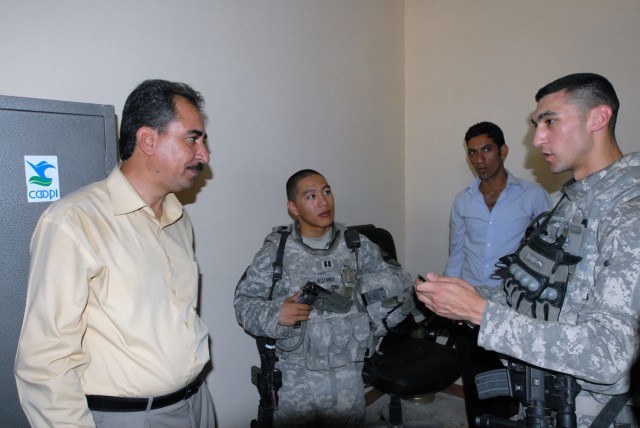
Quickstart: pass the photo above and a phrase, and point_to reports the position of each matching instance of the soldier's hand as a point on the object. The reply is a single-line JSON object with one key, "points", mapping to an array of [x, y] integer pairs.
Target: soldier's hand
{"points": [[451, 298], [291, 312]]}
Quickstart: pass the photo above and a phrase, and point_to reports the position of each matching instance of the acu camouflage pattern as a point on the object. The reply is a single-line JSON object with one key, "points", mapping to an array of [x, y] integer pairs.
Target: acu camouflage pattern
{"points": [[596, 336], [321, 398], [329, 359], [537, 274]]}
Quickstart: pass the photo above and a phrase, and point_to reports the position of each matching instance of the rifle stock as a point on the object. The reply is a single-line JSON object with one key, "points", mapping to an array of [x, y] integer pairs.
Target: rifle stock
{"points": [[268, 379]]}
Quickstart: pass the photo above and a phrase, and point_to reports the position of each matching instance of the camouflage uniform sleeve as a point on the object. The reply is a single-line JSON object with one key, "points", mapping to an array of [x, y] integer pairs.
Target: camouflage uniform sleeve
{"points": [[371, 261], [600, 345], [495, 294], [254, 312]]}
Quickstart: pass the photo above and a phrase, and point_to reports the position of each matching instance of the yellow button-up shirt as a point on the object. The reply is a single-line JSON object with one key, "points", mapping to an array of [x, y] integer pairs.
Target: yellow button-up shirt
{"points": [[111, 304]]}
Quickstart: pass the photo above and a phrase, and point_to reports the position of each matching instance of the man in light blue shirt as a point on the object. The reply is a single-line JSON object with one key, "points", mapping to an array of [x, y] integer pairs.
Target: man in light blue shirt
{"points": [[488, 220]]}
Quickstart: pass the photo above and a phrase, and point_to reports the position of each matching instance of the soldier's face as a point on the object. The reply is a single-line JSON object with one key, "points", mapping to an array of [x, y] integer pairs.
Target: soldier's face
{"points": [[562, 135], [313, 206]]}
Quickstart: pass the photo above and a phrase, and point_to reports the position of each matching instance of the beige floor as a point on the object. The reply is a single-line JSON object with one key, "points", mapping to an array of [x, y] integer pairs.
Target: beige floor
{"points": [[440, 410]]}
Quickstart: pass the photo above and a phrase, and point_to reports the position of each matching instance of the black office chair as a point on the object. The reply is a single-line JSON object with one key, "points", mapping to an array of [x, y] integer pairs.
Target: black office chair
{"points": [[409, 364]]}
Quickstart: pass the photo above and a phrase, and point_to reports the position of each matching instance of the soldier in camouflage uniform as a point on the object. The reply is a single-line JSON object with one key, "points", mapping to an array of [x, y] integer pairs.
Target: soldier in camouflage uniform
{"points": [[320, 352], [592, 332]]}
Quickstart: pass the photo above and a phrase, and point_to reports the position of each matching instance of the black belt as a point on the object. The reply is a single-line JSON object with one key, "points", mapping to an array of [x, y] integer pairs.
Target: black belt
{"points": [[103, 403]]}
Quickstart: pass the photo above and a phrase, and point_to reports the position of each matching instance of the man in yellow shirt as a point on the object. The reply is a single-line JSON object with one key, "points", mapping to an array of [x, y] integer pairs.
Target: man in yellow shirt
{"points": [[111, 330]]}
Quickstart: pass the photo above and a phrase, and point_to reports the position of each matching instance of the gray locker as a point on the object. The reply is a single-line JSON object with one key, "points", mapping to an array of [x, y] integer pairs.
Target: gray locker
{"points": [[48, 149]]}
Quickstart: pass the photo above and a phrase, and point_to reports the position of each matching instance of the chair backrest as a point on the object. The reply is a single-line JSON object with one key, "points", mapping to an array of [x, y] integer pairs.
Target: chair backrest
{"points": [[379, 236], [406, 365]]}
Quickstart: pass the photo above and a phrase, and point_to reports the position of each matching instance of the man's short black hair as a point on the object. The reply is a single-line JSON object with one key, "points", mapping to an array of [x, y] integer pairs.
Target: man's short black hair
{"points": [[153, 104], [492, 131], [292, 182], [587, 90]]}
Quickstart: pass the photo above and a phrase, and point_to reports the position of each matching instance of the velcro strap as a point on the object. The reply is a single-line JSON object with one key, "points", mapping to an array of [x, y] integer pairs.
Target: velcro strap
{"points": [[373, 296]]}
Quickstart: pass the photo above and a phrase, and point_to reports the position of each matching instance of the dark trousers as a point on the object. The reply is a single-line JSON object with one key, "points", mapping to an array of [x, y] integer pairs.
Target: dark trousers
{"points": [[476, 359]]}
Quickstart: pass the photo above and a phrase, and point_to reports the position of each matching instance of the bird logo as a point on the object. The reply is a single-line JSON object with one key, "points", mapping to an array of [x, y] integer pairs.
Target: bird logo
{"points": [[41, 179]]}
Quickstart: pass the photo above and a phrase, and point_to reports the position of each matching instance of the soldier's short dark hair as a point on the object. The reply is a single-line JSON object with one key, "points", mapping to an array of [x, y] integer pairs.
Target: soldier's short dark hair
{"points": [[292, 182], [586, 90], [152, 103], [492, 131]]}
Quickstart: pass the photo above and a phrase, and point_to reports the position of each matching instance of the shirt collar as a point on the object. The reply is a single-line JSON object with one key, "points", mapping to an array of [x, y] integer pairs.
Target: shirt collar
{"points": [[126, 200], [512, 180]]}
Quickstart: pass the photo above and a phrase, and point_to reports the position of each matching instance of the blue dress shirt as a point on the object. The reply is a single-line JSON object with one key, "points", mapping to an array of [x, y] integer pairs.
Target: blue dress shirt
{"points": [[479, 237]]}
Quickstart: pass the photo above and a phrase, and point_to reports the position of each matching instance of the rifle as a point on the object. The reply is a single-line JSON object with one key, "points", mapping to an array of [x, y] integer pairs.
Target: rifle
{"points": [[546, 395], [267, 378]]}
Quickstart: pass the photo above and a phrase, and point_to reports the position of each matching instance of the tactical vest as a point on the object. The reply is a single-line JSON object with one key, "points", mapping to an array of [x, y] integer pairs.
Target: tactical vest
{"points": [[537, 275], [538, 272], [330, 339]]}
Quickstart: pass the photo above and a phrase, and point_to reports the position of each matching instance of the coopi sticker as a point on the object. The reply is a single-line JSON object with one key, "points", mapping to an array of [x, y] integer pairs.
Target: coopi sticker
{"points": [[41, 173]]}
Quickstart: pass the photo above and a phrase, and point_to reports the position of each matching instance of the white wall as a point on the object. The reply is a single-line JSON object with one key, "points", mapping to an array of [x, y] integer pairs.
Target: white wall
{"points": [[469, 61], [288, 84], [321, 84]]}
